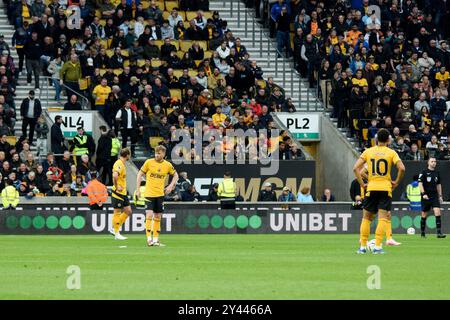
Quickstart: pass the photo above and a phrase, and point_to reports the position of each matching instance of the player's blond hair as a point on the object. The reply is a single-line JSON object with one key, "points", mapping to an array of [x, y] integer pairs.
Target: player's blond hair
{"points": [[160, 148]]}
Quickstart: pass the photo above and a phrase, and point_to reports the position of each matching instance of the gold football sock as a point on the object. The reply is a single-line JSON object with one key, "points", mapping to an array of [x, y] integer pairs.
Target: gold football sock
{"points": [[380, 231], [364, 231], [388, 230], [148, 227], [123, 218], [156, 227], [116, 222]]}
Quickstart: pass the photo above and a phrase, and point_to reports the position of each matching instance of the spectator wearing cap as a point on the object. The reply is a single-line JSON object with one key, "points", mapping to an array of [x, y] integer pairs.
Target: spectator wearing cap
{"points": [[100, 95], [30, 110], [267, 194], [131, 89], [286, 195], [19, 39]]}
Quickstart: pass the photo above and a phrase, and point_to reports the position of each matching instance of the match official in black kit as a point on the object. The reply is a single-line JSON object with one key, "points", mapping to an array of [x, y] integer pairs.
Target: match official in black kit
{"points": [[431, 196]]}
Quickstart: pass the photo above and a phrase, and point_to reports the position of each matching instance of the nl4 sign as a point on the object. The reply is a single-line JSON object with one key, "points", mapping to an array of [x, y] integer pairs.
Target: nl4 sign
{"points": [[73, 120], [303, 126]]}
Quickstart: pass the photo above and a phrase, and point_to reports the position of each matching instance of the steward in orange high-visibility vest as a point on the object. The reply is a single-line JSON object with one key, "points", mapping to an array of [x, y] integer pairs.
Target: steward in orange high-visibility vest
{"points": [[97, 192]]}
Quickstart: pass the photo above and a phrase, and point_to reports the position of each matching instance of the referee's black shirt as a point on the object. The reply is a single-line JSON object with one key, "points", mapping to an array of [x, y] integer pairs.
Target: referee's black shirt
{"points": [[430, 179]]}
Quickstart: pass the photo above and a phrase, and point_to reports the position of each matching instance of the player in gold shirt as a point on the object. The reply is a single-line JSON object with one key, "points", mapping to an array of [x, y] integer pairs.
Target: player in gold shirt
{"points": [[155, 170], [119, 198], [378, 198]]}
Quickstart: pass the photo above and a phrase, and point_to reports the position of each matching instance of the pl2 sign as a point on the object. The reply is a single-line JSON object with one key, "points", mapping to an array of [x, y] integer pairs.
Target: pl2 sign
{"points": [[303, 126], [73, 120]]}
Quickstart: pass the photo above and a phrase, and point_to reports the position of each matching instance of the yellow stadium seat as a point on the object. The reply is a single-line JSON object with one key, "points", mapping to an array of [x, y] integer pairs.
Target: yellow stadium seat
{"points": [[208, 14], [155, 63], [186, 24], [216, 102], [98, 13], [171, 4], [261, 84], [192, 73], [104, 44], [145, 4], [141, 62], [73, 41], [118, 72], [166, 15], [103, 22], [178, 73], [203, 45], [365, 134], [185, 45], [126, 63], [55, 108], [125, 53], [12, 140], [197, 62], [182, 14], [208, 54], [175, 93], [154, 141], [160, 4], [110, 52], [180, 54], [102, 71], [176, 43], [190, 15], [159, 43]]}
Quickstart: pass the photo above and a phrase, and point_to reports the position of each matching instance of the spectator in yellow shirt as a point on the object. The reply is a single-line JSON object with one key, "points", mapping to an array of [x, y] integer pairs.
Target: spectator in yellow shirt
{"points": [[442, 75], [100, 94], [358, 80], [218, 118]]}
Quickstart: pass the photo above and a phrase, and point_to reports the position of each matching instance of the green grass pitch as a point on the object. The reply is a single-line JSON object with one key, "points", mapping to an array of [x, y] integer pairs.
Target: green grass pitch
{"points": [[221, 267]]}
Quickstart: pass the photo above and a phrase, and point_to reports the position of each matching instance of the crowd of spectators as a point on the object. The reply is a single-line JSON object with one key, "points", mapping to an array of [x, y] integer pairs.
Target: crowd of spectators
{"points": [[149, 67], [388, 70]]}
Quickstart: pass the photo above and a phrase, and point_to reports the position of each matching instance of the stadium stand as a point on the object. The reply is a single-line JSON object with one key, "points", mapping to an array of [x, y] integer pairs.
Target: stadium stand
{"points": [[162, 64], [375, 64]]}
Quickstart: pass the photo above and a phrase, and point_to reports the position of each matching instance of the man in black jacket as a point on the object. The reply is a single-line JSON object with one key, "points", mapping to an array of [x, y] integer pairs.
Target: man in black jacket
{"points": [[267, 194], [283, 28], [33, 52], [30, 110], [128, 126], [57, 137], [104, 156]]}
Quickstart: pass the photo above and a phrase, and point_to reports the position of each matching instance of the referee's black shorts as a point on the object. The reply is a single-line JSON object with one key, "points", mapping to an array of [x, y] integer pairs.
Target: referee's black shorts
{"points": [[377, 200], [155, 204], [429, 204]]}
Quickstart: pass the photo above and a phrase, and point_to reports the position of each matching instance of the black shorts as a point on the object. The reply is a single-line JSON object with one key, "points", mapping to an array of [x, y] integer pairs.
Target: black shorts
{"points": [[377, 200], [429, 204], [120, 203], [155, 204]]}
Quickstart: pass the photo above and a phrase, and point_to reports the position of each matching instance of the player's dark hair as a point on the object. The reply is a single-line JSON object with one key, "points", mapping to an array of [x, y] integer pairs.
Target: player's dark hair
{"points": [[227, 173], [383, 135]]}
